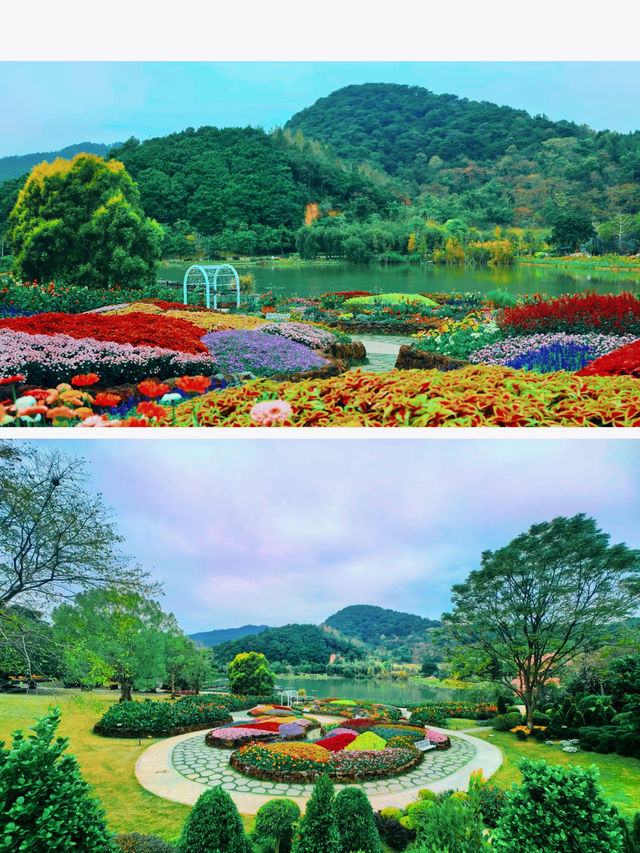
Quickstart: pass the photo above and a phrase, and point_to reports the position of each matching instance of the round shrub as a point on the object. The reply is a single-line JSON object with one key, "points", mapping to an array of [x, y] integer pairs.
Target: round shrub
{"points": [[628, 744], [508, 721], [390, 811], [521, 735], [540, 719], [356, 824], [393, 833], [213, 824], [513, 709], [275, 822]]}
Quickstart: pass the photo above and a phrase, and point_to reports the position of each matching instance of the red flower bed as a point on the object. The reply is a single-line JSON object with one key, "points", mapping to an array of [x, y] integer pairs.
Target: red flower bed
{"points": [[138, 329], [621, 362], [337, 742], [580, 312], [263, 727]]}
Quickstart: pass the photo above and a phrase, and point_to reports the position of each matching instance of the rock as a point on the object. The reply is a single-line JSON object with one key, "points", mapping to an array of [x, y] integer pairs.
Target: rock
{"points": [[410, 359]]}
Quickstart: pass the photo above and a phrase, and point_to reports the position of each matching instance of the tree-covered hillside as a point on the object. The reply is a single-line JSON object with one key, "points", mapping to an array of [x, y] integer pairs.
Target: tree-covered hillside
{"points": [[17, 166], [371, 624], [291, 644], [498, 163]]}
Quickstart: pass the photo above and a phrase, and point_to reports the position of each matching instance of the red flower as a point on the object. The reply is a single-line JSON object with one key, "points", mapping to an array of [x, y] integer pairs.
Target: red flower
{"points": [[193, 384], [151, 388], [105, 399], [151, 410], [83, 379], [10, 380], [135, 422]]}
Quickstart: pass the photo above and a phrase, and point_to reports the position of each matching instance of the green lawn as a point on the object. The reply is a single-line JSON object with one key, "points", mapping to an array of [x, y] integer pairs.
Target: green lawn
{"points": [[457, 724], [107, 763], [620, 777]]}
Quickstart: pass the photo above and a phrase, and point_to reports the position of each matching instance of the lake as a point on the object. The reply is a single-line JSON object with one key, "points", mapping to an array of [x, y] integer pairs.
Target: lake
{"points": [[313, 280], [370, 690]]}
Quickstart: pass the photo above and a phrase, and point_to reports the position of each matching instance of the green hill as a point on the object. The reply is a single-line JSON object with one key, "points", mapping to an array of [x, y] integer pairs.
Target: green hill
{"points": [[16, 166], [494, 163], [371, 624], [291, 644], [221, 635]]}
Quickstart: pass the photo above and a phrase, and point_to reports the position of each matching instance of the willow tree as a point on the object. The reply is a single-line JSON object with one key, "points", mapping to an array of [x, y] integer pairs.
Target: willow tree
{"points": [[80, 222], [555, 592]]}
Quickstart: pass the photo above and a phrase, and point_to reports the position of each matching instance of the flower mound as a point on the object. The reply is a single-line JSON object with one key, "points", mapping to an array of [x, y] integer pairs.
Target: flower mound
{"points": [[473, 396], [137, 329], [621, 362], [505, 351], [260, 354], [367, 740], [581, 312], [51, 358], [301, 333]]}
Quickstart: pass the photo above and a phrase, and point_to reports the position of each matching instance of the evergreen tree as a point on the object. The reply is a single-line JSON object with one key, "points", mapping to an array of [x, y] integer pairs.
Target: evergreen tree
{"points": [[274, 824], [213, 826], [356, 823], [318, 831], [45, 804]]}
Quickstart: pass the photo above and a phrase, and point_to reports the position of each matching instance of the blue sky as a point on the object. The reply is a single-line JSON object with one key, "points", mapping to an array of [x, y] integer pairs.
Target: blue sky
{"points": [[277, 531], [48, 105]]}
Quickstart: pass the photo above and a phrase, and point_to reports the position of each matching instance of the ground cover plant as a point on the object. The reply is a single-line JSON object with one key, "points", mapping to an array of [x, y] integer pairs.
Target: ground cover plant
{"points": [[260, 354]]}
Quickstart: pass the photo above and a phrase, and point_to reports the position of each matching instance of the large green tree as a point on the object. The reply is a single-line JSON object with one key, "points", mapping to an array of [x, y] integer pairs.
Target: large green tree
{"points": [[111, 634], [250, 673], [555, 592], [80, 221]]}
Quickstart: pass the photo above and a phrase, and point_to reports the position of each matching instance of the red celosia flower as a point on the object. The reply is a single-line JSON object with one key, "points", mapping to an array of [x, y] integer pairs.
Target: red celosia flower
{"points": [[83, 379], [11, 380], [193, 384], [105, 399], [135, 422], [151, 388], [151, 410], [40, 393]]}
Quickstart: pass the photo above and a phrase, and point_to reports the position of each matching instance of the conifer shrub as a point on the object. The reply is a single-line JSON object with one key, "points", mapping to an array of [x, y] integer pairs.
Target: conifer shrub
{"points": [[355, 821], [213, 826], [318, 830]]}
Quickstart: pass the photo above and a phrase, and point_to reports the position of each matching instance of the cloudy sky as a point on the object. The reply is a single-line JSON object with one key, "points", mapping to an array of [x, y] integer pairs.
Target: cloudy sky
{"points": [[48, 105], [277, 531]]}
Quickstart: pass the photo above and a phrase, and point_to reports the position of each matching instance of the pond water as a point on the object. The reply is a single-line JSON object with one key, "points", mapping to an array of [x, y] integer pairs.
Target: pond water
{"points": [[370, 690], [382, 351], [313, 280]]}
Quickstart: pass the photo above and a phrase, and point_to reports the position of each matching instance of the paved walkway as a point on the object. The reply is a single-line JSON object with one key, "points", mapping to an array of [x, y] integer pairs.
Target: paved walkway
{"points": [[181, 768]]}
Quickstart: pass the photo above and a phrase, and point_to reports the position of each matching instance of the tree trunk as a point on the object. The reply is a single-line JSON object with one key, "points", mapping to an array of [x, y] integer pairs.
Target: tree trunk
{"points": [[125, 690], [173, 686]]}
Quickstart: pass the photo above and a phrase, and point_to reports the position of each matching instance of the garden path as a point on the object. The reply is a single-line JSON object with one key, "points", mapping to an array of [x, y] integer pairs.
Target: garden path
{"points": [[181, 768]]}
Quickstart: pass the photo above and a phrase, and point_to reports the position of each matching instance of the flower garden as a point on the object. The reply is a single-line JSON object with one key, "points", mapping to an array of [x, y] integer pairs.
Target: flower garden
{"points": [[472, 361]]}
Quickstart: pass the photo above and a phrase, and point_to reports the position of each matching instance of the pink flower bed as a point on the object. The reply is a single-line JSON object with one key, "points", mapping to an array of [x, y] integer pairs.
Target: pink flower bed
{"points": [[436, 737]]}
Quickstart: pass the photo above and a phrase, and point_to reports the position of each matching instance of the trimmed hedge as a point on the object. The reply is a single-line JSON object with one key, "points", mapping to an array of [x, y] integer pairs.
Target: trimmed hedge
{"points": [[158, 718]]}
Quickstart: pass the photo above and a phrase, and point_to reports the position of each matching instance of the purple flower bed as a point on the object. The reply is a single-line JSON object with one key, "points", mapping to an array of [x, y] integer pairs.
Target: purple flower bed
{"points": [[50, 359], [290, 730], [301, 333], [504, 351], [238, 351]]}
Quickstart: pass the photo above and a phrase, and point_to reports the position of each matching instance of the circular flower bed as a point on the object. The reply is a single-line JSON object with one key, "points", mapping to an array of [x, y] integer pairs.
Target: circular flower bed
{"points": [[304, 762]]}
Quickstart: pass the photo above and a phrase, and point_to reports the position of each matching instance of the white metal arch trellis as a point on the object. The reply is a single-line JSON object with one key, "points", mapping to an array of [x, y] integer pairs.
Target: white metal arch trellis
{"points": [[221, 278]]}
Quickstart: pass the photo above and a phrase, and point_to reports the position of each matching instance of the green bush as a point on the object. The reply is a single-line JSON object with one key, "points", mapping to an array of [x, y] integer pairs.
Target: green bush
{"points": [[452, 825], [540, 719], [492, 800], [249, 672], [393, 833], [318, 831], [508, 721], [44, 801], [133, 842], [557, 810], [513, 709], [213, 826], [355, 821], [274, 826]]}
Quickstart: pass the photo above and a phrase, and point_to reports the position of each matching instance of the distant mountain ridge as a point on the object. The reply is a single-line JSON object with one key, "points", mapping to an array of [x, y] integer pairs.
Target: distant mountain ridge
{"points": [[16, 165], [221, 635]]}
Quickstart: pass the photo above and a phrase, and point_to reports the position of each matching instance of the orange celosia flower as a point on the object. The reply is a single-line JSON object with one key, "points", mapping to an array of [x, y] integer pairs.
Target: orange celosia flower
{"points": [[151, 388], [105, 399], [135, 422], [61, 412], [34, 410], [151, 410], [193, 384], [85, 379], [11, 380]]}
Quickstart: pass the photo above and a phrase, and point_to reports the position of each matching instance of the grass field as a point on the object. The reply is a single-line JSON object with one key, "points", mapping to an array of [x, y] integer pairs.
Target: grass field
{"points": [[620, 777], [106, 763]]}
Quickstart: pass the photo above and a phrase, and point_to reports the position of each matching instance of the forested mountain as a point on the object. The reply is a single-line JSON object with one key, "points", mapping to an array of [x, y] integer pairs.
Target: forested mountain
{"points": [[459, 155], [371, 624], [18, 166], [213, 638], [291, 644]]}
